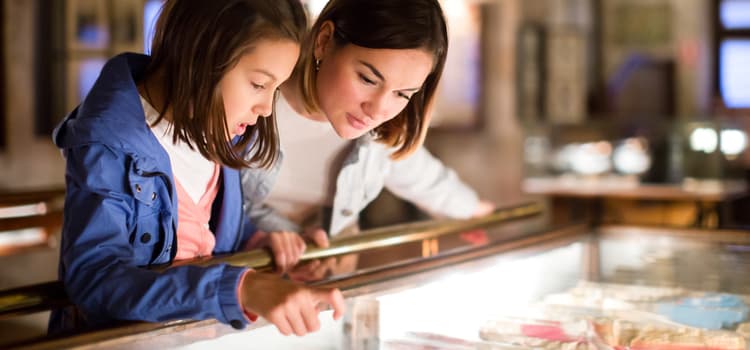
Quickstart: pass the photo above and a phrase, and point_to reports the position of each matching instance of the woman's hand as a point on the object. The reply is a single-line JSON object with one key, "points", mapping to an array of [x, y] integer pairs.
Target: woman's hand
{"points": [[317, 236], [292, 308], [286, 248], [319, 269], [484, 208]]}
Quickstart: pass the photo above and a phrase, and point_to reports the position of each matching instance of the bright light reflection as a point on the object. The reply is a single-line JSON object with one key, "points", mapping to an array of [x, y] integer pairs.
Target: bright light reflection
{"points": [[23, 210], [315, 6], [22, 237], [458, 305], [733, 142], [704, 140], [456, 9]]}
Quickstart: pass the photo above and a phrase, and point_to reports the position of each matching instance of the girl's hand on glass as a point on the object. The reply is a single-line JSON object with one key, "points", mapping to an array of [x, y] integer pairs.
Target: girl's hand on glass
{"points": [[291, 307]]}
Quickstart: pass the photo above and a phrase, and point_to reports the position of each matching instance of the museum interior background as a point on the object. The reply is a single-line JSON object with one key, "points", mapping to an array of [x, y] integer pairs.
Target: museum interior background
{"points": [[616, 110]]}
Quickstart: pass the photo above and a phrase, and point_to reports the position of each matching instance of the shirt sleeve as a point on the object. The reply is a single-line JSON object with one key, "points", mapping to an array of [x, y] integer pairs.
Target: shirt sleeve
{"points": [[425, 181]]}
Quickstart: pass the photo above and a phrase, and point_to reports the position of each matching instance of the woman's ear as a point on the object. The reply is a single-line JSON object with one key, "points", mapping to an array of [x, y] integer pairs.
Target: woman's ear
{"points": [[323, 39]]}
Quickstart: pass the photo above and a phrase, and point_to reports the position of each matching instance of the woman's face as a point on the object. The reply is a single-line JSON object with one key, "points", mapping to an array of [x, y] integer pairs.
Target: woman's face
{"points": [[360, 88], [248, 88]]}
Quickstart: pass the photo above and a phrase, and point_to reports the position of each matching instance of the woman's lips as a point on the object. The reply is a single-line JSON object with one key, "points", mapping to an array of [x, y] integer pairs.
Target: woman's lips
{"points": [[355, 122]]}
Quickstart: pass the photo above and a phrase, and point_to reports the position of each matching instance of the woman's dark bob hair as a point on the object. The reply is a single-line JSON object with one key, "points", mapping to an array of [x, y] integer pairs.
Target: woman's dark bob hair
{"points": [[384, 24]]}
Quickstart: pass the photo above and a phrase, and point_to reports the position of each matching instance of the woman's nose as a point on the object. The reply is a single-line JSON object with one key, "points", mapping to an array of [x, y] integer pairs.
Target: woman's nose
{"points": [[376, 108]]}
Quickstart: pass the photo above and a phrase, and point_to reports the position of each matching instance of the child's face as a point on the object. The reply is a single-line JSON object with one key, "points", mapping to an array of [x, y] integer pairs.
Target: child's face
{"points": [[360, 88], [248, 88]]}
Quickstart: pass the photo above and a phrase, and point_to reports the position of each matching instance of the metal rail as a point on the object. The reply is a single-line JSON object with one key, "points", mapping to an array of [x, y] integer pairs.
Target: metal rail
{"points": [[49, 295]]}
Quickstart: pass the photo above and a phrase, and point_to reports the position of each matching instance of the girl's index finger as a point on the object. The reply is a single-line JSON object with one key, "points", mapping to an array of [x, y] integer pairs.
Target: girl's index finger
{"points": [[335, 299]]}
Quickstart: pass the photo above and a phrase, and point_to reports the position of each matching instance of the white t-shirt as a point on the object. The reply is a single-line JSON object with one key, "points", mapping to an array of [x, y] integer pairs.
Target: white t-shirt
{"points": [[313, 154], [189, 166]]}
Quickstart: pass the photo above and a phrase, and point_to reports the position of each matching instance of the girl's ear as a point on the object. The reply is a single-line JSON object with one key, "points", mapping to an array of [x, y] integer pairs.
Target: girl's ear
{"points": [[324, 39]]}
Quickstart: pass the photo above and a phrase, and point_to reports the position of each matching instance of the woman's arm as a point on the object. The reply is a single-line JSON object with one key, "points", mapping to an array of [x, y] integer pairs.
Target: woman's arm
{"points": [[425, 181]]}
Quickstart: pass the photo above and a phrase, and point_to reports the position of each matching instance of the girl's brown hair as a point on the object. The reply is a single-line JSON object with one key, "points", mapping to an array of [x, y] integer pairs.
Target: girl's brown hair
{"points": [[196, 42], [384, 24]]}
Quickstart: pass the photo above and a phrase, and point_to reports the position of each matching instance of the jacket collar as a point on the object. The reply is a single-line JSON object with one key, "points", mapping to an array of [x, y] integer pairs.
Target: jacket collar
{"points": [[112, 113]]}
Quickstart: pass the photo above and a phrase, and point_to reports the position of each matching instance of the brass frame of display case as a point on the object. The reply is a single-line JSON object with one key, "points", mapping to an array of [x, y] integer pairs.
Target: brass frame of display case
{"points": [[35, 298], [712, 235]]}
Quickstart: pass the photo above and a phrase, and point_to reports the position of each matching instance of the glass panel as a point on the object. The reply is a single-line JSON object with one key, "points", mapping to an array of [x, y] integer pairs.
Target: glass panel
{"points": [[673, 262], [453, 307]]}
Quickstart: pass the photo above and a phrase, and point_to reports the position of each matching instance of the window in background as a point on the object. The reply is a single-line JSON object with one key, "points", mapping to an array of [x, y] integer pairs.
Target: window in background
{"points": [[734, 72], [732, 52], [735, 14], [74, 40]]}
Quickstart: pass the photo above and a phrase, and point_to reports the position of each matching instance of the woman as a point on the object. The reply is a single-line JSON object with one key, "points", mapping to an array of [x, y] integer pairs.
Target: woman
{"points": [[352, 119]]}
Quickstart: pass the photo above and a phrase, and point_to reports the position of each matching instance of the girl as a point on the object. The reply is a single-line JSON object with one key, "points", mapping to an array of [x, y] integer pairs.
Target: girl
{"points": [[152, 175], [360, 98]]}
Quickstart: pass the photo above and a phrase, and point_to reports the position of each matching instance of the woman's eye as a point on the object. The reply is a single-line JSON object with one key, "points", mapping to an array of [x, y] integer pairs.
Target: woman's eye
{"points": [[403, 95], [366, 80], [258, 86]]}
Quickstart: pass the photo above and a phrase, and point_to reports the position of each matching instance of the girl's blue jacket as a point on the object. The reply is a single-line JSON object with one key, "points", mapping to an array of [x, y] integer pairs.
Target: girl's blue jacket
{"points": [[121, 215]]}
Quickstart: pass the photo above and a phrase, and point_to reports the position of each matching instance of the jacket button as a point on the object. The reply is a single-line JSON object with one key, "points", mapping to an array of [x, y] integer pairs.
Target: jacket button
{"points": [[346, 212], [138, 188], [236, 324], [146, 237], [153, 196]]}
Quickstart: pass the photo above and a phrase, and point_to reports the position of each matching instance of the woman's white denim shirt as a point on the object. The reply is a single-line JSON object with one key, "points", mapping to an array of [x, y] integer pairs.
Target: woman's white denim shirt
{"points": [[420, 178]]}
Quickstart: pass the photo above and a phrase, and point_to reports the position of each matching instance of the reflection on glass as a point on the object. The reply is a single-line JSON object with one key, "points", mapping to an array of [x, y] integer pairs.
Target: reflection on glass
{"points": [[735, 14], [734, 72]]}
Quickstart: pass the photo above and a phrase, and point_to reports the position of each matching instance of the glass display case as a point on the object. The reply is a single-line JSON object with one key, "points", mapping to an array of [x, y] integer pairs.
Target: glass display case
{"points": [[517, 286]]}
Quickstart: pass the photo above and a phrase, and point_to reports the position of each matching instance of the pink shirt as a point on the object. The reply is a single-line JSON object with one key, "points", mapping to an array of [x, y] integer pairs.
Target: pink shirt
{"points": [[194, 237]]}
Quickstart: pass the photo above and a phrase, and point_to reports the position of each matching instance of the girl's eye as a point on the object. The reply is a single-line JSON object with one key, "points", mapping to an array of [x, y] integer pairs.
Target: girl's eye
{"points": [[366, 80], [403, 95]]}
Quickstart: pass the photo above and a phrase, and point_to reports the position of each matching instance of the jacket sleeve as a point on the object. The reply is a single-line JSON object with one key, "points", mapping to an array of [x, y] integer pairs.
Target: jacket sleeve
{"points": [[256, 185], [102, 249], [425, 181], [268, 219]]}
